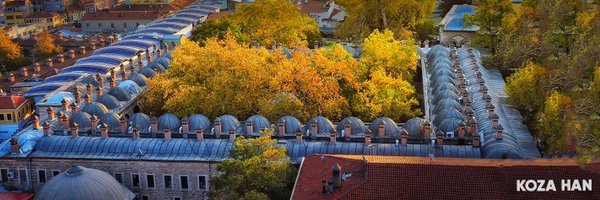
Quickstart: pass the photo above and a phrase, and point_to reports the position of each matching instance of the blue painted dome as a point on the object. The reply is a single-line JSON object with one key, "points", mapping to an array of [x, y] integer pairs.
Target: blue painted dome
{"points": [[82, 119], [449, 125], [446, 103], [228, 122], [113, 121], [96, 109], [259, 122], [414, 127], [148, 72], [323, 126], [164, 62], [197, 121], [444, 94], [138, 78], [291, 125], [130, 86], [448, 113], [109, 101], [168, 120], [357, 127], [119, 93], [391, 128], [57, 97], [141, 121]]}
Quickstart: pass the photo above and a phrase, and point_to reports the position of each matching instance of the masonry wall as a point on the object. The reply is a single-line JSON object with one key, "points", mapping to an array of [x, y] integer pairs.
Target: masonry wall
{"points": [[124, 167], [112, 25]]}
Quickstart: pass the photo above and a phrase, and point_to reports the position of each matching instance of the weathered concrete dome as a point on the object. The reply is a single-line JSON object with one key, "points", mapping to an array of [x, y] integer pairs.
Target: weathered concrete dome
{"points": [[444, 94], [259, 122], [444, 86], [141, 121], [83, 183], [112, 120], [168, 120], [95, 108], [390, 127], [228, 122], [130, 86], [323, 126], [148, 72], [357, 127], [449, 125], [139, 79], [197, 121], [292, 124], [119, 94], [448, 113], [414, 127], [109, 101], [163, 61], [82, 119], [446, 103]]}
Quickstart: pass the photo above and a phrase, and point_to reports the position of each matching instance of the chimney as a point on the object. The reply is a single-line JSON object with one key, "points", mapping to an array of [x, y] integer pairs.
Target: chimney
{"points": [[50, 113], [381, 129], [218, 128], [93, 123], [104, 130], [426, 130], [65, 121], [148, 56], [298, 135], [313, 129], [470, 112], [472, 126], [140, 62], [71, 53], [74, 108], [249, 127], [461, 130], [99, 91], [48, 63], [75, 129], [185, 126], [165, 48], [232, 135], [113, 74], [135, 133], [336, 175], [167, 133], [38, 67], [332, 135], [490, 109], [46, 127], [123, 124], [158, 54], [14, 145], [499, 132], [439, 139], [468, 103], [88, 89], [112, 83], [87, 98], [59, 117], [368, 137], [11, 77], [153, 125], [131, 69], [495, 119], [60, 35], [481, 84], [487, 100], [200, 133], [122, 67], [36, 122], [281, 127], [347, 129], [131, 63], [154, 47], [25, 72], [476, 140], [93, 46], [82, 49], [60, 58], [404, 138], [65, 104], [77, 95], [115, 37], [479, 75]]}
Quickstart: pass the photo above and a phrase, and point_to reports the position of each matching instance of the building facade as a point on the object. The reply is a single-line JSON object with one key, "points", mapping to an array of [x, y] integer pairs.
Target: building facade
{"points": [[15, 12], [452, 29], [116, 21], [45, 20], [13, 111]]}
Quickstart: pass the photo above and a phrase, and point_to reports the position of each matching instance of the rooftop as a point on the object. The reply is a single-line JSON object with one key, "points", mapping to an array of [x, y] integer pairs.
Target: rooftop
{"points": [[123, 15], [11, 101]]}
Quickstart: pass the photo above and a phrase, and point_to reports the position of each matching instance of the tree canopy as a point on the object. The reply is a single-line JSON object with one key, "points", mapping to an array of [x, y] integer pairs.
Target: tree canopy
{"points": [[44, 45], [10, 52], [488, 16]]}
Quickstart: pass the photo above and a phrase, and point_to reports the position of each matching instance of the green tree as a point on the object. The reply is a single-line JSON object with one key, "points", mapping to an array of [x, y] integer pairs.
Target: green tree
{"points": [[524, 87], [488, 16], [553, 120], [217, 28], [258, 169]]}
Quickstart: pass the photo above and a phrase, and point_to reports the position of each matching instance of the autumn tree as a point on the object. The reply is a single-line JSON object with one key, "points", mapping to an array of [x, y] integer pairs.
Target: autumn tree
{"points": [[10, 52], [524, 87], [258, 169], [397, 58], [488, 17], [399, 16], [44, 45], [552, 120], [446, 5], [217, 28]]}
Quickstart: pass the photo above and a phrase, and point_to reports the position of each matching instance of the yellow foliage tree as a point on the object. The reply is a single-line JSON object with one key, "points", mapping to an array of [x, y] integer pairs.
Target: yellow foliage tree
{"points": [[524, 87], [9, 51], [44, 44], [396, 58]]}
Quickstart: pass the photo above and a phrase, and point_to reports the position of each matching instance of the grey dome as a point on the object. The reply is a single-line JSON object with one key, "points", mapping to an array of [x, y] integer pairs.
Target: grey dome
{"points": [[164, 62], [444, 86], [95, 108], [109, 101], [148, 72], [89, 79], [82, 119], [446, 103], [500, 149], [197, 121], [139, 79], [449, 125], [323, 126], [228, 122], [443, 95], [130, 86], [168, 55], [168, 120], [157, 67], [141, 121], [83, 183], [448, 113], [119, 94], [291, 125], [259, 122], [442, 79], [357, 127], [414, 127], [112, 120], [391, 128], [443, 72]]}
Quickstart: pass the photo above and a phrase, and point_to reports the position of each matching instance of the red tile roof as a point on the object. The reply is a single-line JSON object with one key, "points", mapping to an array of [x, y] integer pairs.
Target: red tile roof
{"points": [[393, 177], [313, 6], [122, 15], [15, 196], [11, 102], [75, 8]]}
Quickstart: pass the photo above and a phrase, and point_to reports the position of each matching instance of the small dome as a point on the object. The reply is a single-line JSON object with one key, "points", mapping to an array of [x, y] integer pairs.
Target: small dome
{"points": [[112, 120], [157, 67], [83, 183], [228, 122], [448, 113], [82, 119], [449, 125], [119, 93], [148, 72], [500, 149], [130, 86], [95, 108], [197, 121], [443, 95], [259, 122], [437, 80], [444, 86], [446, 103], [414, 127], [443, 72], [57, 97], [141, 121], [109, 101], [90, 79], [323, 126], [357, 127], [291, 125], [167, 55], [391, 128], [168, 120], [163, 61], [140, 79]]}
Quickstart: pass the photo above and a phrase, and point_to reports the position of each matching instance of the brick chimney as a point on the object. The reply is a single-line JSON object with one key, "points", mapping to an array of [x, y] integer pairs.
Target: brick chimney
{"points": [[14, 145], [113, 74], [25, 72], [115, 37], [281, 127], [347, 129], [148, 56], [135, 133], [185, 126], [481, 84], [165, 48], [36, 122], [131, 63], [368, 137], [476, 141], [88, 88], [404, 137], [232, 135], [50, 113], [99, 91], [123, 124], [60, 35], [60, 58], [48, 63], [167, 133], [104, 130], [218, 127], [93, 123], [495, 120], [153, 124], [426, 130], [472, 125], [11, 77], [65, 121], [74, 108], [313, 129], [439, 139], [490, 109], [71, 53], [122, 67], [75, 129], [332, 135], [467, 103], [336, 175], [298, 135], [499, 132], [158, 53], [87, 99], [461, 130], [93, 46], [46, 128], [200, 133], [381, 129], [112, 83], [65, 104], [59, 117], [77, 95], [82, 49], [487, 99], [249, 127], [479, 75]]}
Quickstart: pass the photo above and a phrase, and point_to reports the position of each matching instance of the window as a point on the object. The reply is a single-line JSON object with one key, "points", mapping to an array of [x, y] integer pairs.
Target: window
{"points": [[99, 25], [42, 176], [135, 179], [150, 181], [23, 176], [202, 182], [168, 181], [4, 175], [124, 25], [112, 25], [87, 25], [9, 117], [55, 173], [1, 117], [137, 24], [184, 182], [144, 197], [176, 198], [119, 177]]}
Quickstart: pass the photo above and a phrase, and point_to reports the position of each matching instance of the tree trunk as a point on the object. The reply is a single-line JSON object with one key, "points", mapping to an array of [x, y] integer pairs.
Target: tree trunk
{"points": [[383, 15]]}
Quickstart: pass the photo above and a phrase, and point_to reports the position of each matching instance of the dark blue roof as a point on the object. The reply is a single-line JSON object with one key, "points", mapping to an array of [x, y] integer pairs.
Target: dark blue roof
{"points": [[170, 121], [144, 36], [228, 122], [164, 62], [120, 94], [447, 113], [324, 125], [82, 119], [291, 125], [119, 50], [357, 127], [100, 59], [112, 120], [91, 79], [109, 101], [390, 129], [414, 127], [42, 89], [89, 68], [259, 122], [197, 121], [63, 77], [139, 79], [95, 108], [148, 72], [140, 121], [139, 44], [130, 86]]}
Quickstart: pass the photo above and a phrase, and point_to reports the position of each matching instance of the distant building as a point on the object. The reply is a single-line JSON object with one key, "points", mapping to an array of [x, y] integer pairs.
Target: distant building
{"points": [[45, 20], [452, 29], [55, 6], [327, 14], [116, 21], [15, 12], [13, 110], [23, 31], [74, 13]]}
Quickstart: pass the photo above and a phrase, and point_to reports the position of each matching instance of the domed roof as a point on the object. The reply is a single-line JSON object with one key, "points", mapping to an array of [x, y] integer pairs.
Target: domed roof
{"points": [[414, 127], [112, 120], [168, 55], [446, 103], [95, 108], [119, 94], [291, 125], [82, 119], [91, 79], [228, 122], [130, 86], [443, 72], [436, 80], [500, 149], [164, 62], [57, 97], [358, 127], [168, 120], [437, 97], [444, 86], [141, 121], [138, 78], [83, 183], [259, 122], [448, 113], [109, 101], [148, 72], [323, 126], [390, 129], [157, 67], [197, 121], [449, 125]]}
